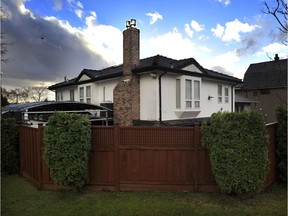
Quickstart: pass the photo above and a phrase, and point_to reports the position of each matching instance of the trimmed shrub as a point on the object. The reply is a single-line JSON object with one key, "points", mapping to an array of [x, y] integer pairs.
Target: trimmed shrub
{"points": [[67, 140], [9, 146], [238, 149], [281, 150]]}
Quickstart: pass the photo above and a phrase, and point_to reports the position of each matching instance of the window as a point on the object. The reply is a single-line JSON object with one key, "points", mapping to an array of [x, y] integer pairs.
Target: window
{"points": [[255, 94], [265, 91], [88, 94], [188, 93], [58, 96], [104, 93], [226, 94], [72, 95], [178, 93], [196, 93], [81, 95], [219, 93]]}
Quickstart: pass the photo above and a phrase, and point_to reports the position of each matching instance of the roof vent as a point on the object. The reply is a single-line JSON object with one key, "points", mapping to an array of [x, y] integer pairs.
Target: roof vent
{"points": [[276, 58]]}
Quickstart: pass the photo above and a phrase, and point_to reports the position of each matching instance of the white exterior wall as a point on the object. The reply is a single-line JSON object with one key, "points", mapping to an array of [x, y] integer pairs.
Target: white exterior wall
{"points": [[169, 111], [109, 86], [210, 88], [97, 91], [66, 93], [149, 94]]}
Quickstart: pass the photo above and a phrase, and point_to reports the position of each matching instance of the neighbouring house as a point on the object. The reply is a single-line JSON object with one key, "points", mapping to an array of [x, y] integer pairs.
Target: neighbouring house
{"points": [[157, 88], [265, 82]]}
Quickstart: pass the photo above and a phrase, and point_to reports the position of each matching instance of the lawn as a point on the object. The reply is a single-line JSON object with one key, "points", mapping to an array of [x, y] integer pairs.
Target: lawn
{"points": [[20, 197]]}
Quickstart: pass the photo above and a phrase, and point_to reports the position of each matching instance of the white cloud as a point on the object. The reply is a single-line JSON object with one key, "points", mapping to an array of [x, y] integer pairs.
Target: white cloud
{"points": [[171, 44], [232, 30], [218, 31], [188, 30], [103, 39], [226, 63], [225, 2], [196, 26], [57, 5], [93, 13], [272, 49], [80, 5], [204, 49], [79, 13], [154, 17]]}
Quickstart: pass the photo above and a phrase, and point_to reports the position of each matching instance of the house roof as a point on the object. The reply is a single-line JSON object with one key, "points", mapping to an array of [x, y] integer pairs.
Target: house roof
{"points": [[272, 74], [157, 62]]}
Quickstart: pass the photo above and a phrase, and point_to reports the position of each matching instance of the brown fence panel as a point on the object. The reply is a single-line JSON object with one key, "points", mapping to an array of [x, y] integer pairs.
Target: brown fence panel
{"points": [[102, 158], [163, 158], [272, 174], [30, 156], [137, 158]]}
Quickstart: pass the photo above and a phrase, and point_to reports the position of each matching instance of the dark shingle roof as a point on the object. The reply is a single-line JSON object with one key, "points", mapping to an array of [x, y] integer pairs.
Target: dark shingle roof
{"points": [[265, 75], [157, 62]]}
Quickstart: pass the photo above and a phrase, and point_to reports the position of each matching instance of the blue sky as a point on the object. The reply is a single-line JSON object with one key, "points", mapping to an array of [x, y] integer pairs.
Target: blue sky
{"points": [[56, 38]]}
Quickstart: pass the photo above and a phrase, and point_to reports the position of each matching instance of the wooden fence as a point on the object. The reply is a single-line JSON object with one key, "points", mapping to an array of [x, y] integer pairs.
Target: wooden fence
{"points": [[136, 158]]}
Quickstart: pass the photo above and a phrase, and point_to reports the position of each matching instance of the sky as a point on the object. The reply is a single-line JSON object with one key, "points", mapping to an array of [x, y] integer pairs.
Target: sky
{"points": [[53, 39]]}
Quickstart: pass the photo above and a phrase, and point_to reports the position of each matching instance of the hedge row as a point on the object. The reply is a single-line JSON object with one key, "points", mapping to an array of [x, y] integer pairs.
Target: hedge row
{"points": [[238, 148], [67, 140]]}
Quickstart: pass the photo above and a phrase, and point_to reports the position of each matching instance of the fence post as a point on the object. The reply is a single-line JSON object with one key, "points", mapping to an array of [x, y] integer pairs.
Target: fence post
{"points": [[40, 133], [197, 142], [116, 156]]}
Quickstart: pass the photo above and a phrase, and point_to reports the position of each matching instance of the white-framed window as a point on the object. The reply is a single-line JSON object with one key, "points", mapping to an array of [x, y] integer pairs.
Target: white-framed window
{"points": [[220, 94], [226, 94], [88, 94], [72, 97], [59, 96], [187, 92], [85, 94], [178, 93], [196, 94], [81, 94]]}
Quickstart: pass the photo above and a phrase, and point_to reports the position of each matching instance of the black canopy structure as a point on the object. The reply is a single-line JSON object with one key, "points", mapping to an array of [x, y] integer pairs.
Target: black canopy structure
{"points": [[39, 112]]}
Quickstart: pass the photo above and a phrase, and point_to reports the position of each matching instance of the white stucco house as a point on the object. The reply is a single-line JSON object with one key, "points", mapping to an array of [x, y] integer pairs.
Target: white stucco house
{"points": [[157, 88]]}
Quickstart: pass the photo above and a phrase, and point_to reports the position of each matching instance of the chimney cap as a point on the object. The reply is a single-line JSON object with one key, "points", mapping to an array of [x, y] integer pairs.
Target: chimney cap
{"points": [[131, 23]]}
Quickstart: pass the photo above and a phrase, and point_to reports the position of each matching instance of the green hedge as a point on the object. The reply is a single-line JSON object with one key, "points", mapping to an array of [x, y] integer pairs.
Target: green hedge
{"points": [[281, 151], [238, 148], [9, 146], [67, 140]]}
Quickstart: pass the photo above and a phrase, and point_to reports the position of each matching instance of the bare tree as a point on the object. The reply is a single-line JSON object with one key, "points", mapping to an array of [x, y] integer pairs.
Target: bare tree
{"points": [[280, 12], [14, 95], [18, 95], [38, 94]]}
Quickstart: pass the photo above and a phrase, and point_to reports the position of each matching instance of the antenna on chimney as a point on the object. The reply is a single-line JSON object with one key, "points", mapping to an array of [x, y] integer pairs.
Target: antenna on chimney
{"points": [[131, 23]]}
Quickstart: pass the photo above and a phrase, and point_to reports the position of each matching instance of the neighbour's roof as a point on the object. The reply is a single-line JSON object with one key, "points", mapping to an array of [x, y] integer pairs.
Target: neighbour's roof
{"points": [[157, 62], [272, 74], [49, 106]]}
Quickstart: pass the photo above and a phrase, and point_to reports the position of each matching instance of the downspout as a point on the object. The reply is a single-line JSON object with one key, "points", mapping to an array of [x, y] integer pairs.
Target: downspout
{"points": [[160, 96], [232, 101]]}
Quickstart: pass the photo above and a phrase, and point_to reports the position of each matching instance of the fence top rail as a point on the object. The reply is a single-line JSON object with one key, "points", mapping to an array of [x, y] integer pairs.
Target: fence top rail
{"points": [[271, 124]]}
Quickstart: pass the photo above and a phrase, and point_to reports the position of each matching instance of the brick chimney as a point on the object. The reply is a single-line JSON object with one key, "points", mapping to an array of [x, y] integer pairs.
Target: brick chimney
{"points": [[126, 94]]}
